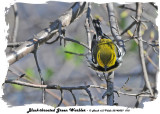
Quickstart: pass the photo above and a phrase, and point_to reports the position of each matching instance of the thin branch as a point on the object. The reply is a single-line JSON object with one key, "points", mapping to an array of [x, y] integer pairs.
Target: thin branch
{"points": [[115, 33], [125, 7], [30, 80], [75, 41], [129, 27], [14, 32], [143, 94], [65, 102], [16, 23], [52, 41], [66, 19], [15, 44], [141, 51], [110, 89], [153, 4], [44, 86], [138, 101], [90, 95], [39, 71], [157, 52], [78, 54], [57, 87], [74, 97], [60, 102], [87, 25], [114, 28], [144, 41], [125, 83], [151, 61]]}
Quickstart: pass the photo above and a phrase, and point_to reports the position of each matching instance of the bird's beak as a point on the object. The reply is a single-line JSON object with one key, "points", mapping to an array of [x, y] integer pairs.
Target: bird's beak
{"points": [[105, 68]]}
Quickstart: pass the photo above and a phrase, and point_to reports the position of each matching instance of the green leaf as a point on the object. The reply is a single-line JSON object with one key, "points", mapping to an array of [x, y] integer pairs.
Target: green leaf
{"points": [[30, 72], [17, 87], [76, 48], [48, 73], [124, 14], [69, 47]]}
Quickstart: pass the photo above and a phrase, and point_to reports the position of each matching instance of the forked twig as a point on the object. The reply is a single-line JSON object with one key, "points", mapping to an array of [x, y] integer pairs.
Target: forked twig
{"points": [[141, 51], [74, 97]]}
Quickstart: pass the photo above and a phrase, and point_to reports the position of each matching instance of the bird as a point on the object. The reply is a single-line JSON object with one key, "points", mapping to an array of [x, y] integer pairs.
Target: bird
{"points": [[104, 53]]}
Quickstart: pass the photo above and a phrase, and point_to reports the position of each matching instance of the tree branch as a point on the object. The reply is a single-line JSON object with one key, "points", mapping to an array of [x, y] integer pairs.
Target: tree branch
{"points": [[67, 18], [87, 25], [115, 33], [141, 51], [129, 27], [125, 7], [57, 87], [114, 27]]}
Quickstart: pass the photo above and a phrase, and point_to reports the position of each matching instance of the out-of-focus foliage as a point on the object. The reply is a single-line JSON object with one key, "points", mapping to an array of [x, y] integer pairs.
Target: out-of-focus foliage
{"points": [[30, 72], [76, 48], [133, 46], [48, 73], [123, 16], [72, 47], [17, 87], [152, 34]]}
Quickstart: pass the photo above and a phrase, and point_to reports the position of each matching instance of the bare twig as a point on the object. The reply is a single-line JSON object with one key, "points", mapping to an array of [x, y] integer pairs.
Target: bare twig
{"points": [[115, 33], [125, 7], [16, 24], [150, 60], [138, 101], [114, 28], [87, 25], [52, 41], [78, 54], [74, 97], [150, 44], [73, 13], [153, 4], [30, 80], [143, 94], [13, 36], [129, 27], [40, 74], [89, 94], [57, 87], [75, 41], [141, 51], [125, 83], [110, 89], [60, 102], [15, 44]]}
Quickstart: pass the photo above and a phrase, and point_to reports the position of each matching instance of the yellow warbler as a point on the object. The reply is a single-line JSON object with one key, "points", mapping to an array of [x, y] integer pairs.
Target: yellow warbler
{"points": [[104, 53]]}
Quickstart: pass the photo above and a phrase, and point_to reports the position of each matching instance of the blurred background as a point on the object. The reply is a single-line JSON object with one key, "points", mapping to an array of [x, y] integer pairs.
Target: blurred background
{"points": [[64, 69]]}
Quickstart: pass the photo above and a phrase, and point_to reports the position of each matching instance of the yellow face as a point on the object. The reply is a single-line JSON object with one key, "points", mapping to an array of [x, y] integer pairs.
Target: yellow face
{"points": [[106, 55]]}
